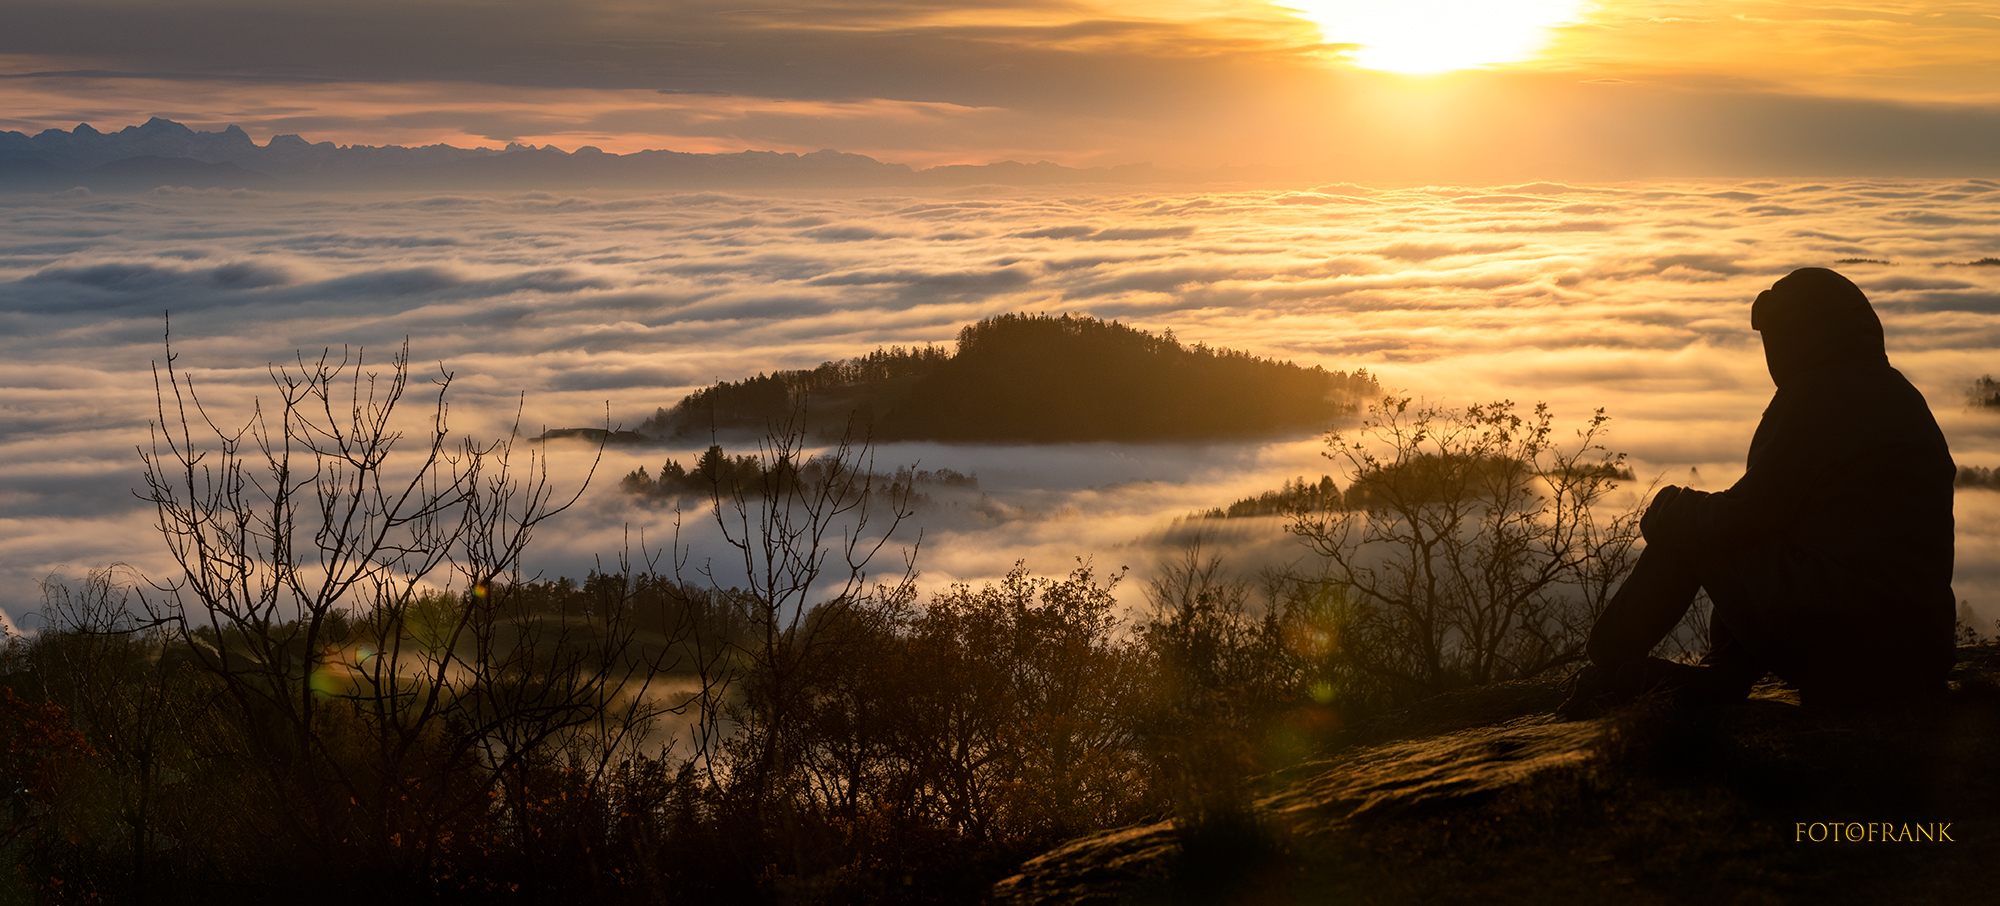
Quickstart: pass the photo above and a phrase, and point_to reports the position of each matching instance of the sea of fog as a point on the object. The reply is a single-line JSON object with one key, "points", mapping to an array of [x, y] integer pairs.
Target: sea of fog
{"points": [[1633, 298]]}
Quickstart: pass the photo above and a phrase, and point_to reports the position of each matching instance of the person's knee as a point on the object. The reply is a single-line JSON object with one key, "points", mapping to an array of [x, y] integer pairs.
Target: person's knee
{"points": [[1608, 646], [1650, 603]]}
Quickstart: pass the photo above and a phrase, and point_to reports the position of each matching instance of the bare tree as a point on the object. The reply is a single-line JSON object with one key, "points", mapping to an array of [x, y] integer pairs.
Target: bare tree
{"points": [[803, 529], [357, 591], [1470, 542]]}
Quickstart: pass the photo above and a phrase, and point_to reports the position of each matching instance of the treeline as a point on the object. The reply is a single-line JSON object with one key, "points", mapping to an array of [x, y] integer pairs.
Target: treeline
{"points": [[1983, 392], [1296, 495], [1977, 477], [715, 472], [1421, 478], [837, 390], [636, 739], [1034, 378]]}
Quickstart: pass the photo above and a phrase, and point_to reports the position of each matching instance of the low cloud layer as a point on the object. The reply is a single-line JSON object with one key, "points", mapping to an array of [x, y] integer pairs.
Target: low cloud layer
{"points": [[1629, 297]]}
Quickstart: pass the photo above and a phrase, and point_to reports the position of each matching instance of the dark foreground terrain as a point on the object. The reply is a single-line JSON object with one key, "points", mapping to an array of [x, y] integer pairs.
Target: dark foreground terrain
{"points": [[1486, 796]]}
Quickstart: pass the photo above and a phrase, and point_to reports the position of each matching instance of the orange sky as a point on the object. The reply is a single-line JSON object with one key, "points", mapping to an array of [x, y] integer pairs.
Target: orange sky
{"points": [[1616, 89]]}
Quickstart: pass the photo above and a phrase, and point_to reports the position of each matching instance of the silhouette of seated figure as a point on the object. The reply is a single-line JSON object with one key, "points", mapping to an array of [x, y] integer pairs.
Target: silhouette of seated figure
{"points": [[1829, 563]]}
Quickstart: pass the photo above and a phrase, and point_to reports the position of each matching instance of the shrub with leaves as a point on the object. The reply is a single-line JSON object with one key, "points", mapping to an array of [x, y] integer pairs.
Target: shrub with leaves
{"points": [[1473, 546]]}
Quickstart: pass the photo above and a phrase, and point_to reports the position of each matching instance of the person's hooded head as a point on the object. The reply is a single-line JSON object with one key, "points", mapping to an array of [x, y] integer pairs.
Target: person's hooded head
{"points": [[1814, 318]]}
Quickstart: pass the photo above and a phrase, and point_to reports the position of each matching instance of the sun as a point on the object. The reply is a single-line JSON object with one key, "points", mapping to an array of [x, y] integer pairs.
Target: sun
{"points": [[1430, 36]]}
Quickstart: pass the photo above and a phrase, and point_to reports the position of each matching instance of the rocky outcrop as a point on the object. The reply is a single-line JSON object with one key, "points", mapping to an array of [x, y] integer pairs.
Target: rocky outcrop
{"points": [[1322, 797], [1543, 805]]}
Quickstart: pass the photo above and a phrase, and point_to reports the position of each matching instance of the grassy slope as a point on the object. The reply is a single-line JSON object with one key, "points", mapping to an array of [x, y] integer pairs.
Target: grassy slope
{"points": [[1650, 804]]}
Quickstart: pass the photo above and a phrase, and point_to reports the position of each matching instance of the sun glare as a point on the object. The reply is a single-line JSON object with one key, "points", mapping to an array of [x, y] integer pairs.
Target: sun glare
{"points": [[1428, 36]]}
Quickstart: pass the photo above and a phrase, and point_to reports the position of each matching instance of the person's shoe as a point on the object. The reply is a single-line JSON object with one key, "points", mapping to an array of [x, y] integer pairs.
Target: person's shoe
{"points": [[1707, 686], [1594, 690]]}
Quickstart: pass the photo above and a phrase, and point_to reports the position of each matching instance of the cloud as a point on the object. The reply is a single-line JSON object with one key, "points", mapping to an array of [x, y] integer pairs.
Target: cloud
{"points": [[993, 280], [134, 278], [1979, 302], [698, 48], [635, 299], [844, 234], [1410, 251], [1096, 234], [150, 288], [1713, 264], [327, 241]]}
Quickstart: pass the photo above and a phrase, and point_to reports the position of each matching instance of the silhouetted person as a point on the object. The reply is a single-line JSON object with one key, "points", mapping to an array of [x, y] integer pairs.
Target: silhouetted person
{"points": [[1829, 563]]}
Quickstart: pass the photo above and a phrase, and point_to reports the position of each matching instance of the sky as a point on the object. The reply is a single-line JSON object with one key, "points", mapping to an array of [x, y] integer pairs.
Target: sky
{"points": [[1410, 92], [574, 309]]}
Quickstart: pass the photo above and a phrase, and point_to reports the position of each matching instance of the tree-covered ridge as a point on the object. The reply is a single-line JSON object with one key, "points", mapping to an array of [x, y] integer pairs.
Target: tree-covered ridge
{"points": [[1295, 496], [1035, 378], [834, 390], [715, 472], [1983, 392], [1423, 478], [1977, 477]]}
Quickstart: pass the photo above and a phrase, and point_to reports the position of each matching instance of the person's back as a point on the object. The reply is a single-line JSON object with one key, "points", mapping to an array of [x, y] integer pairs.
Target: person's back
{"points": [[1858, 600], [1830, 561]]}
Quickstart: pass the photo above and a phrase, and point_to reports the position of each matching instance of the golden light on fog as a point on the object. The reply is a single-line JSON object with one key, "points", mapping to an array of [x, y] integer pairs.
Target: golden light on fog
{"points": [[1430, 36]]}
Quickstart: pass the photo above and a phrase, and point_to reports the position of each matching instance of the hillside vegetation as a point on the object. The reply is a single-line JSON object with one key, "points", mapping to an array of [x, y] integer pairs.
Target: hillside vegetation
{"points": [[1036, 379], [347, 685]]}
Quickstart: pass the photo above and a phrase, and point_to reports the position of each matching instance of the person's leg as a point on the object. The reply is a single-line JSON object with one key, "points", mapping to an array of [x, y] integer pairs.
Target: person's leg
{"points": [[1832, 628], [1730, 667], [1645, 608], [1763, 615]]}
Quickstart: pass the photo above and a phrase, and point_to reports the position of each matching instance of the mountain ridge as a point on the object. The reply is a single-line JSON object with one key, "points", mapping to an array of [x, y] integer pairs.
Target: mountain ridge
{"points": [[55, 159]]}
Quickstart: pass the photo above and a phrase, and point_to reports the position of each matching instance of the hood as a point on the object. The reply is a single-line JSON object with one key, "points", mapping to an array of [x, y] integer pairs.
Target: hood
{"points": [[1815, 318]]}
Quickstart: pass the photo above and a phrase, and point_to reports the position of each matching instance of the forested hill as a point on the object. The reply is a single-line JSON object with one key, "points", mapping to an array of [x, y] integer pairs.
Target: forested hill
{"points": [[1034, 378]]}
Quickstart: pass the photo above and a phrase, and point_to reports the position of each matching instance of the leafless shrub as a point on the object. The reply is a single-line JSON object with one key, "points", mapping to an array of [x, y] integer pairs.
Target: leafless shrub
{"points": [[355, 592]]}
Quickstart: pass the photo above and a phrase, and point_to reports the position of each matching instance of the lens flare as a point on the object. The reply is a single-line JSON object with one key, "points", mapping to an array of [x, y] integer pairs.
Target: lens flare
{"points": [[325, 683], [1429, 36]]}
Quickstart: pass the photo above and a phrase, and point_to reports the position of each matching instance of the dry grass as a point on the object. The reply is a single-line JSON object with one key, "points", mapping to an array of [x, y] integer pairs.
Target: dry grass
{"points": [[1673, 806]]}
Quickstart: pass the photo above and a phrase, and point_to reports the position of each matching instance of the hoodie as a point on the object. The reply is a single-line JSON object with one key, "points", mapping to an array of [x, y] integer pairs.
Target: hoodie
{"points": [[1840, 531]]}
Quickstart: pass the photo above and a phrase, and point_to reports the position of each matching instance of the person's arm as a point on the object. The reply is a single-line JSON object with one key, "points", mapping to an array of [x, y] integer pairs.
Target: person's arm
{"points": [[1788, 461], [1699, 520]]}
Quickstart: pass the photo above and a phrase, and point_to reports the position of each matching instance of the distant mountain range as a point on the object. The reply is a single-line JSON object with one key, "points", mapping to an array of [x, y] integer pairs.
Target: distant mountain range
{"points": [[163, 152]]}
